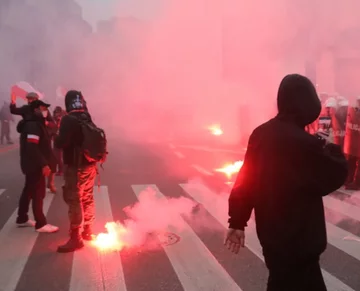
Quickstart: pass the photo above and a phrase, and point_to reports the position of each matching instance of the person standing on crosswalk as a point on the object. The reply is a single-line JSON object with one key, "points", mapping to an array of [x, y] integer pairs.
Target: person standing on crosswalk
{"points": [[25, 111], [79, 173], [37, 160], [285, 174]]}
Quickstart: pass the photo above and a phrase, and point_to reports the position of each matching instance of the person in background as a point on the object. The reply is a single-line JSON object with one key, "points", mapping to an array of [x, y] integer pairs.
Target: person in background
{"points": [[352, 145], [37, 160], [286, 173], [58, 114], [25, 111], [79, 174], [5, 118]]}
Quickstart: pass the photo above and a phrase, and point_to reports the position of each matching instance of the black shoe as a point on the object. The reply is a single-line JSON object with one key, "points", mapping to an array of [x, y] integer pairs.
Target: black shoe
{"points": [[87, 234], [74, 243]]}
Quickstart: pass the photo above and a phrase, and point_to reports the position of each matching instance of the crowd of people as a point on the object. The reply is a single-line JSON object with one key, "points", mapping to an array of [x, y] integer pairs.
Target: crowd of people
{"points": [[340, 120], [66, 143]]}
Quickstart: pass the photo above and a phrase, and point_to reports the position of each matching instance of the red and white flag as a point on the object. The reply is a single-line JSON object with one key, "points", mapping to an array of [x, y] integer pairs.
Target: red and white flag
{"points": [[21, 89], [32, 138], [60, 92]]}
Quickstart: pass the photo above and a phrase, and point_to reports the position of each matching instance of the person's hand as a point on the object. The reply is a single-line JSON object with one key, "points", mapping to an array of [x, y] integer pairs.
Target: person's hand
{"points": [[235, 238], [13, 98], [327, 137], [46, 171]]}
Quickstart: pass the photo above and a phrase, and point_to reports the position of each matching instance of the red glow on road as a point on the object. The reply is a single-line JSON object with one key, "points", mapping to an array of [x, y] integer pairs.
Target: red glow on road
{"points": [[230, 169]]}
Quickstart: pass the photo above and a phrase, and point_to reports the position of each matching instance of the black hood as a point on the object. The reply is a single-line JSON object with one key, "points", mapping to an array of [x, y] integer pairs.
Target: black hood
{"points": [[74, 100], [297, 100]]}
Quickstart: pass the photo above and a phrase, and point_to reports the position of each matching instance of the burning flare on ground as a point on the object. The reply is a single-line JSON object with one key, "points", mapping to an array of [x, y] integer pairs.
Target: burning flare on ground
{"points": [[110, 241], [230, 169], [215, 129]]}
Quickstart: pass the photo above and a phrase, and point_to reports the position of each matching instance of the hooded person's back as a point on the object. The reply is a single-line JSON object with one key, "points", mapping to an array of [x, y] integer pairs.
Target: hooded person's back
{"points": [[70, 135], [286, 172]]}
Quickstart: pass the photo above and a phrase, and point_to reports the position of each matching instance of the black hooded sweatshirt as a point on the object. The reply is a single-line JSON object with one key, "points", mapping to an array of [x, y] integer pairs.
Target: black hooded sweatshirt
{"points": [[70, 136], [35, 145], [285, 174]]}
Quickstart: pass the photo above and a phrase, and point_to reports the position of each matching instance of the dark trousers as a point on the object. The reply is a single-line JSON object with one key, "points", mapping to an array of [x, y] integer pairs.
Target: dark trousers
{"points": [[58, 156], [304, 275], [5, 131], [34, 191], [78, 194]]}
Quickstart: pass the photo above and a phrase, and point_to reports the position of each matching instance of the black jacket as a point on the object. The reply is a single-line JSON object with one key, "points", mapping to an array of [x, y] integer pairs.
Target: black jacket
{"points": [[35, 145], [285, 174], [26, 113], [70, 138]]}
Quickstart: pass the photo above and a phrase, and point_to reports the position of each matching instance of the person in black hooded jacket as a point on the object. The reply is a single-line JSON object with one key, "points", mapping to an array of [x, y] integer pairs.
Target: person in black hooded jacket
{"points": [[25, 111], [79, 174], [285, 174], [36, 160]]}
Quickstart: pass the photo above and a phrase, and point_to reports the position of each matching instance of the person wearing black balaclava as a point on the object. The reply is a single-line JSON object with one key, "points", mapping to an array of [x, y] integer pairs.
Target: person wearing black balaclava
{"points": [[79, 174], [286, 173]]}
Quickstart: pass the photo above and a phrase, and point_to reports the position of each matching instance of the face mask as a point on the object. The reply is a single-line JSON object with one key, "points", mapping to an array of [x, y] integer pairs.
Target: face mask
{"points": [[44, 114]]}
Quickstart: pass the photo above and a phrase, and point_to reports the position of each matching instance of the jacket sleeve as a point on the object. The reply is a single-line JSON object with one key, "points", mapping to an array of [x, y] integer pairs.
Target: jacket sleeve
{"points": [[242, 194], [63, 139], [17, 110], [33, 135], [327, 169]]}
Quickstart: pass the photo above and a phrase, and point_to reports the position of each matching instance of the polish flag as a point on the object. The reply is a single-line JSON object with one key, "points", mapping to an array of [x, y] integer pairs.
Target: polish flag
{"points": [[60, 92], [32, 138], [21, 89]]}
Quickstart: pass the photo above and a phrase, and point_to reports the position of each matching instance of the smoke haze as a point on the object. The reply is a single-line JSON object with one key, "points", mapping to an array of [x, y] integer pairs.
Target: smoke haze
{"points": [[165, 68]]}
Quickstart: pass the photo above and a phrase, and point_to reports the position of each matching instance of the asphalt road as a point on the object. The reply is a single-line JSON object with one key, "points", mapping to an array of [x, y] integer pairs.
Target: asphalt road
{"points": [[188, 252]]}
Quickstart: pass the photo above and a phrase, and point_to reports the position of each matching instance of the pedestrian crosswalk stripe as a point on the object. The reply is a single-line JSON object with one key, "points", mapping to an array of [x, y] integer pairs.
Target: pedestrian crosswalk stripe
{"points": [[15, 247], [216, 209], [344, 208], [91, 269], [195, 265], [200, 270]]}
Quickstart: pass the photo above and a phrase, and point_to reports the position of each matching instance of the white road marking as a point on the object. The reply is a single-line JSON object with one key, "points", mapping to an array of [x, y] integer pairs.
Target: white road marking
{"points": [[194, 264], [179, 155], [215, 205], [2, 191], [349, 192], [16, 245], [91, 269], [342, 207], [202, 170]]}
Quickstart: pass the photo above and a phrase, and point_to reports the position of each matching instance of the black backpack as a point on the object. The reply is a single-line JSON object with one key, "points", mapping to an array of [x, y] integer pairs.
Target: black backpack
{"points": [[94, 145]]}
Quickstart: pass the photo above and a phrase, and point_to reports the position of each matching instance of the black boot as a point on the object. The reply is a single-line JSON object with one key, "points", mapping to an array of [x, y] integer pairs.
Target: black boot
{"points": [[87, 234], [74, 243]]}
